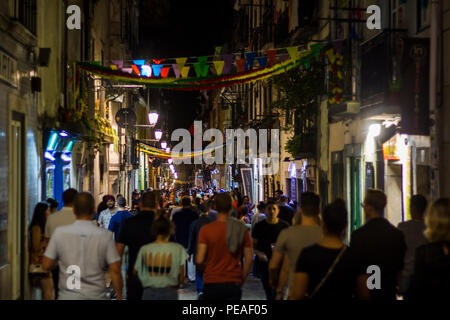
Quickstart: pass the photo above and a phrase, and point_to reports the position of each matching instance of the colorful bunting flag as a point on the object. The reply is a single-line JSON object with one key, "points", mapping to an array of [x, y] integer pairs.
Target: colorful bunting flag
{"points": [[146, 70], [156, 61], [118, 63], [165, 72], [185, 71], [181, 62], [228, 59], [293, 52], [176, 70], [217, 52], [201, 69], [271, 54], [139, 62], [218, 65], [157, 69], [240, 64], [250, 56], [136, 69], [262, 61]]}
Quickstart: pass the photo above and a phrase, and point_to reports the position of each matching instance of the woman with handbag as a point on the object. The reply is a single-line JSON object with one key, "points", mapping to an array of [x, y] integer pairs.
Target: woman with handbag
{"points": [[327, 270], [37, 248]]}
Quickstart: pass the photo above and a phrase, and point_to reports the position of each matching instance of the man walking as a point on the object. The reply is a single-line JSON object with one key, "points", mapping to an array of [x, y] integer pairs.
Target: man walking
{"points": [[378, 243], [286, 211], [61, 218], [107, 214], [117, 220], [221, 246], [413, 230], [136, 232], [83, 251], [291, 242]]}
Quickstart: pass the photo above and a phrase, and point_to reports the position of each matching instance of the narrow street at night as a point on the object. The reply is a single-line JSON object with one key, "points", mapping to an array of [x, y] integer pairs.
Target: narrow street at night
{"points": [[241, 152]]}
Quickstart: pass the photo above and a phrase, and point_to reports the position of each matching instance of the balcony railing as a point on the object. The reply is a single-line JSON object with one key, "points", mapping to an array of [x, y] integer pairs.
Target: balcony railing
{"points": [[25, 13]]}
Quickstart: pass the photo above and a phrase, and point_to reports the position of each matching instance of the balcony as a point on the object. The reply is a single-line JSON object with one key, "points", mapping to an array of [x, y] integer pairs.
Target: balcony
{"points": [[380, 69]]}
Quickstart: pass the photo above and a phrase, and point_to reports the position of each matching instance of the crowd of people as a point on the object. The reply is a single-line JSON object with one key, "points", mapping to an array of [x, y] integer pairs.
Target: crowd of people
{"points": [[163, 240]]}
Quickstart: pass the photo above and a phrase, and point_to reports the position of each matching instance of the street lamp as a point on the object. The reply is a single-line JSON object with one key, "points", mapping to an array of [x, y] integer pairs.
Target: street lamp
{"points": [[158, 135], [153, 118], [163, 145]]}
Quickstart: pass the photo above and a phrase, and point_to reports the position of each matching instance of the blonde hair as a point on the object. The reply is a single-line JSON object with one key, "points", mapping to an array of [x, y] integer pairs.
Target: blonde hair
{"points": [[437, 220]]}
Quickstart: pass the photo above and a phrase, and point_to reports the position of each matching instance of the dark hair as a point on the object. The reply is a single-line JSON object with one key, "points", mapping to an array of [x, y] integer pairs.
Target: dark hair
{"points": [[185, 201], [53, 203], [197, 201], [376, 199], [335, 217], [39, 218], [69, 196], [261, 206], [150, 199], [224, 202], [203, 208], [418, 206], [83, 204], [162, 226], [271, 203], [310, 204], [109, 197]]}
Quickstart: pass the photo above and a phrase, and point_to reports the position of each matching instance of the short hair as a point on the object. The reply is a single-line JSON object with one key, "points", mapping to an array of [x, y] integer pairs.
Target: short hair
{"points": [[335, 217], [418, 206], [376, 199], [224, 202], [279, 191], [121, 201], [69, 196], [150, 199], [310, 204], [284, 198], [186, 201], [84, 204], [109, 197], [53, 203], [437, 220], [271, 203], [162, 226], [261, 206], [203, 208]]}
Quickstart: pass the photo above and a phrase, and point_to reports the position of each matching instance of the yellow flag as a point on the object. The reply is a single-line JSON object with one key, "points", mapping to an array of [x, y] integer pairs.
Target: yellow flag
{"points": [[181, 62], [219, 66], [293, 51], [185, 72]]}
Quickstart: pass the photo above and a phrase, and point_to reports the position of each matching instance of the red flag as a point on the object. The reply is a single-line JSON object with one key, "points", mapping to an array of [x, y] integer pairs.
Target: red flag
{"points": [[240, 64], [165, 72], [271, 53]]}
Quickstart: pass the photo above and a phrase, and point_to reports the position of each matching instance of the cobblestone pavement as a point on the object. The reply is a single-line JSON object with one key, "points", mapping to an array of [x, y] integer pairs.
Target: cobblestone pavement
{"points": [[252, 290]]}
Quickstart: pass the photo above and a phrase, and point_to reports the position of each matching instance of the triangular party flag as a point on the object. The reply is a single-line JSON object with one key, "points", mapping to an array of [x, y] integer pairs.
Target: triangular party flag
{"points": [[202, 60], [307, 62], [219, 66], [262, 61], [228, 59], [240, 64], [283, 57], [201, 69], [185, 71], [146, 70], [176, 70], [136, 69], [156, 61], [218, 51], [181, 62], [165, 72], [293, 51], [250, 56], [113, 67], [271, 54], [127, 70], [118, 63], [157, 69], [315, 49]]}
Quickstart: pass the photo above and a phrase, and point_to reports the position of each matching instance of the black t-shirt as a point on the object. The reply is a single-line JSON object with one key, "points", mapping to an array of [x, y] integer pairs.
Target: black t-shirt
{"points": [[182, 220], [267, 234], [135, 233], [317, 260], [286, 214], [379, 243]]}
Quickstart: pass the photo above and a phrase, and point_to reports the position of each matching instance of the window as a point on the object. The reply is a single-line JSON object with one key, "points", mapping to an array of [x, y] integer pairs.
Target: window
{"points": [[423, 14], [396, 14], [25, 12]]}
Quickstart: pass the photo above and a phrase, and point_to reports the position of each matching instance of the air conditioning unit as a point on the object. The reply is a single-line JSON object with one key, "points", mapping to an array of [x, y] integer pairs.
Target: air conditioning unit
{"points": [[353, 107]]}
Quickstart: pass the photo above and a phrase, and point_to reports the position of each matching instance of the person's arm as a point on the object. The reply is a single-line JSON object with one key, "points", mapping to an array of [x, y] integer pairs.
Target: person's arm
{"points": [[282, 278], [36, 245], [298, 290], [116, 277], [120, 248], [274, 266], [48, 264], [201, 255], [181, 276], [261, 255], [248, 263], [50, 258], [192, 240]]}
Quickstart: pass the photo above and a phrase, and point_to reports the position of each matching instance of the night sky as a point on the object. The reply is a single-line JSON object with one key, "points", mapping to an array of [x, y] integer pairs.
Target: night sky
{"points": [[180, 28]]}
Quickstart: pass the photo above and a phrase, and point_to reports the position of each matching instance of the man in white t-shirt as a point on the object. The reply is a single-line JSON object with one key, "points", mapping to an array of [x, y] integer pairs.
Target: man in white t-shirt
{"points": [[64, 216], [107, 214], [83, 252]]}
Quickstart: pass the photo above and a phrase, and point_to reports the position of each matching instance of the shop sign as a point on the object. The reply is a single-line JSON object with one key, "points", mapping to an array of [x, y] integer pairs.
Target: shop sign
{"points": [[390, 148]]}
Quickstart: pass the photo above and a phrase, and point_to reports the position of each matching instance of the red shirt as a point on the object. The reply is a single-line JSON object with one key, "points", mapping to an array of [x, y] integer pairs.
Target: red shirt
{"points": [[221, 266]]}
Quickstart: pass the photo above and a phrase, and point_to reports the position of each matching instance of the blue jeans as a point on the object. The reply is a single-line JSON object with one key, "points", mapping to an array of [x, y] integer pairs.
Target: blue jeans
{"points": [[199, 281]]}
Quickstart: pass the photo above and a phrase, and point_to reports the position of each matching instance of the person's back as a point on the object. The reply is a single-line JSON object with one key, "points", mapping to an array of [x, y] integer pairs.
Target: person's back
{"points": [[63, 217], [379, 243], [286, 212], [183, 220], [117, 220], [431, 278]]}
